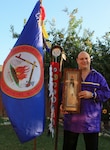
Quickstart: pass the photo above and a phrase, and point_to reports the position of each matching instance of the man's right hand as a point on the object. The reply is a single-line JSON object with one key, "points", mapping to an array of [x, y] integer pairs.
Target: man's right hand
{"points": [[62, 111]]}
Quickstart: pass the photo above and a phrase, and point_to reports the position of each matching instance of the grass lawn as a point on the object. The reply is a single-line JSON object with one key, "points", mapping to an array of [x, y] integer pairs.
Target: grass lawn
{"points": [[9, 141]]}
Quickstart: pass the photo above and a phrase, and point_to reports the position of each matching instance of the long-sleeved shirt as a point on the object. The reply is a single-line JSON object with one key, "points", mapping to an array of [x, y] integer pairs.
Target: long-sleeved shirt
{"points": [[88, 120]]}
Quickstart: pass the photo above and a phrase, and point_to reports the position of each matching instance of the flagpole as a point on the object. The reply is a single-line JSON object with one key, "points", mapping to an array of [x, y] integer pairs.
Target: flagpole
{"points": [[35, 144]]}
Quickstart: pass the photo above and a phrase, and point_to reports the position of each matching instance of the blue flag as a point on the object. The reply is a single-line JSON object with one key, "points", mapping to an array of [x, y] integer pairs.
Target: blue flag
{"points": [[23, 81]]}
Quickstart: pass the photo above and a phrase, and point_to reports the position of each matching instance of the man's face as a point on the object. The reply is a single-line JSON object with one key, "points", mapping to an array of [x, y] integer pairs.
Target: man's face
{"points": [[83, 61]]}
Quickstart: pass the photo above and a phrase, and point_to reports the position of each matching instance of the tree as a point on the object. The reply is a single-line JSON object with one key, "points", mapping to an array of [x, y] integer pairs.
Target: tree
{"points": [[101, 56], [72, 42]]}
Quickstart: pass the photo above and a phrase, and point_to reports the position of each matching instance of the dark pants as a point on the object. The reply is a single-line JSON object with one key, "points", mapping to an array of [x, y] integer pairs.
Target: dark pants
{"points": [[70, 140]]}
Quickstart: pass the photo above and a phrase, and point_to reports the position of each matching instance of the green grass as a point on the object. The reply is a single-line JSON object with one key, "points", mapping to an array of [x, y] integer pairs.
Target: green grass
{"points": [[9, 141]]}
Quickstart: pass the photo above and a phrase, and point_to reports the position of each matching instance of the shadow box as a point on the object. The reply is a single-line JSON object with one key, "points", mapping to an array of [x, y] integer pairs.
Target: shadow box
{"points": [[71, 88]]}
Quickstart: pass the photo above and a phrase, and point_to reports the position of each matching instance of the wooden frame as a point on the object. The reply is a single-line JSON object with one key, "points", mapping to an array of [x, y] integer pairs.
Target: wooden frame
{"points": [[71, 88]]}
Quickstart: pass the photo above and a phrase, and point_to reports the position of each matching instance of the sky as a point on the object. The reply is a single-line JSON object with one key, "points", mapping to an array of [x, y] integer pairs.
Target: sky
{"points": [[95, 15]]}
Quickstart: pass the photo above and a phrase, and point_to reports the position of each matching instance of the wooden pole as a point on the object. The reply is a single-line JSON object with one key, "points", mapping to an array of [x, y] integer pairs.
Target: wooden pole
{"points": [[63, 56], [58, 114], [57, 127], [35, 144]]}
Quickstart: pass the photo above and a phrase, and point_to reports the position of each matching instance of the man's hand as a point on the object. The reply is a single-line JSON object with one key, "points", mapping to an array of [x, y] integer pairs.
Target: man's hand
{"points": [[85, 94], [62, 110]]}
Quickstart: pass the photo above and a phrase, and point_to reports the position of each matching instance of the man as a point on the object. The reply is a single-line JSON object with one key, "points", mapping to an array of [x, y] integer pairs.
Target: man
{"points": [[94, 91]]}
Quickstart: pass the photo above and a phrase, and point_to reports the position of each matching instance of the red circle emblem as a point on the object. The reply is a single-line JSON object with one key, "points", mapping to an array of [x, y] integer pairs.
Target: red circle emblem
{"points": [[23, 72]]}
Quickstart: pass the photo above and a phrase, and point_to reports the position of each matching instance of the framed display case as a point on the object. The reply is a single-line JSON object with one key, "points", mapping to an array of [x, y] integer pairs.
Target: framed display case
{"points": [[71, 88]]}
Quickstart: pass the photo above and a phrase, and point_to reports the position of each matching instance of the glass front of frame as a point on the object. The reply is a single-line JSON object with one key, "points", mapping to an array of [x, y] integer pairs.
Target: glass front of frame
{"points": [[71, 88]]}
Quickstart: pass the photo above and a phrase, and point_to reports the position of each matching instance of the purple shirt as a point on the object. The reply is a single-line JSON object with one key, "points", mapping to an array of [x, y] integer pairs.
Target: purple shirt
{"points": [[88, 120]]}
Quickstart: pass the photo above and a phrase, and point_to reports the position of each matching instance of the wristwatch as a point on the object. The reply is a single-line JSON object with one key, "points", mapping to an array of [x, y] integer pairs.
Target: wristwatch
{"points": [[94, 95]]}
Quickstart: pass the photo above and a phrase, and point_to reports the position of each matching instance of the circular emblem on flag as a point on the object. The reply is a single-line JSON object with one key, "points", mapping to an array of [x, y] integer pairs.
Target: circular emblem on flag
{"points": [[23, 73]]}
